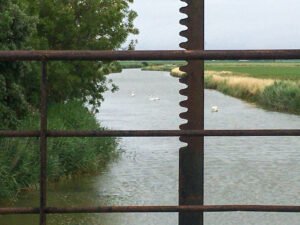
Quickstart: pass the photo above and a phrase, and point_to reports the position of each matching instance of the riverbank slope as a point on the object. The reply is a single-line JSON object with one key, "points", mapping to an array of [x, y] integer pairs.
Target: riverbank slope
{"points": [[274, 86], [67, 157]]}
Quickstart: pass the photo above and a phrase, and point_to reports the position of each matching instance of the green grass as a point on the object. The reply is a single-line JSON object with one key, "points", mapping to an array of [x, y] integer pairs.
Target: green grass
{"points": [[283, 96], [279, 70], [67, 157], [267, 70], [131, 64]]}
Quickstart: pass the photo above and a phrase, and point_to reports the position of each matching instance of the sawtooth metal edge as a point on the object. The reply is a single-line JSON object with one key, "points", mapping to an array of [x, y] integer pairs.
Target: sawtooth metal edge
{"points": [[191, 156]]}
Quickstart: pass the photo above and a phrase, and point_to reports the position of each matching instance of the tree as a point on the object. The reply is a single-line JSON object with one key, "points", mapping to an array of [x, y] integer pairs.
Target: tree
{"points": [[16, 29], [80, 25]]}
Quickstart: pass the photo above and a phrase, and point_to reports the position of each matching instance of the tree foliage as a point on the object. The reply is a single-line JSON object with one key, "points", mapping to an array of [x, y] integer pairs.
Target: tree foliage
{"points": [[81, 25], [16, 29], [59, 25]]}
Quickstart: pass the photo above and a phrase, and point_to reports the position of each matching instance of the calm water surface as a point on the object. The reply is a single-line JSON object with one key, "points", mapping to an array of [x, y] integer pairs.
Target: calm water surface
{"points": [[238, 170]]}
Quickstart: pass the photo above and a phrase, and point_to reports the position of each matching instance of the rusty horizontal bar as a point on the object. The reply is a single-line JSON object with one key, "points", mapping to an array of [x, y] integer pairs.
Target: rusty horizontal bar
{"points": [[12, 211], [154, 209], [153, 133], [12, 133], [149, 55]]}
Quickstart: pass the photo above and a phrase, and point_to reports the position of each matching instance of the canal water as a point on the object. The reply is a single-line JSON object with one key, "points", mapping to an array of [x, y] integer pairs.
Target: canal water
{"points": [[238, 170]]}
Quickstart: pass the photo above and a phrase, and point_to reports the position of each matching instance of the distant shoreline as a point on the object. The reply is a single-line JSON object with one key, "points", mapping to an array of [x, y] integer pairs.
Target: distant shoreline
{"points": [[271, 94], [271, 85]]}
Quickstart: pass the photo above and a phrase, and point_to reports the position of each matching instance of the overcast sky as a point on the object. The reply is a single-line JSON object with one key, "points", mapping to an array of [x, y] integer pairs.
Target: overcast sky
{"points": [[230, 24]]}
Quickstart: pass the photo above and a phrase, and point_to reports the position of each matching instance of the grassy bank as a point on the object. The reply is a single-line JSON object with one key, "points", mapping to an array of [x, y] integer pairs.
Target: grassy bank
{"points": [[260, 83], [19, 157], [151, 65], [278, 95]]}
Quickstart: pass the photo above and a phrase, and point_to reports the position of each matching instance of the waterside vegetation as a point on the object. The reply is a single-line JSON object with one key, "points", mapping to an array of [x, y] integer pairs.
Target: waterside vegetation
{"points": [[57, 25], [274, 86], [67, 157]]}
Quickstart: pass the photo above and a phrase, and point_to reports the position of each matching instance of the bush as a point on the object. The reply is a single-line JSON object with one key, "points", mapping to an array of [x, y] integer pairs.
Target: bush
{"points": [[19, 157], [282, 96]]}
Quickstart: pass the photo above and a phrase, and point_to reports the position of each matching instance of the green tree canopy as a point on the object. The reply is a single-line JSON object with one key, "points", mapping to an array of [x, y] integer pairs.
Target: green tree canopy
{"points": [[80, 25], [16, 29]]}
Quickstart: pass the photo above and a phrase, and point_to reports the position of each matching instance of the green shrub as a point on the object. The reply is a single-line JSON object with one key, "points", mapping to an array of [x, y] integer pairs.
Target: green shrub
{"points": [[19, 157], [282, 96]]}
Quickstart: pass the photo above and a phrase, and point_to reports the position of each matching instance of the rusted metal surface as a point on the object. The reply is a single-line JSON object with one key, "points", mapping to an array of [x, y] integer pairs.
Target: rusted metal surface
{"points": [[43, 144], [173, 133], [153, 133], [20, 133], [149, 55], [27, 210], [155, 209], [191, 156]]}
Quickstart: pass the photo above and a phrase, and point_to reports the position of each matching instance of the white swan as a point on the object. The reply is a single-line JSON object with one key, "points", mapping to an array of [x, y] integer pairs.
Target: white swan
{"points": [[151, 98], [132, 94], [215, 108]]}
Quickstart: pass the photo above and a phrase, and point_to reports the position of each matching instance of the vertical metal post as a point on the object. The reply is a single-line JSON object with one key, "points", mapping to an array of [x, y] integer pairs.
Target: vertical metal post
{"points": [[43, 144], [191, 157]]}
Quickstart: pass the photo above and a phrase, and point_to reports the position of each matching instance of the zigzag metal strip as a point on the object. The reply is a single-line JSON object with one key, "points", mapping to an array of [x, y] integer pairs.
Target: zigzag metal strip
{"points": [[186, 69], [191, 159], [190, 44]]}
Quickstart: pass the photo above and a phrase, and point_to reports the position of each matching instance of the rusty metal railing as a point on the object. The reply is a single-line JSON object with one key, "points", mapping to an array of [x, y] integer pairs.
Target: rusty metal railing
{"points": [[191, 205], [153, 133], [149, 55], [44, 133]]}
